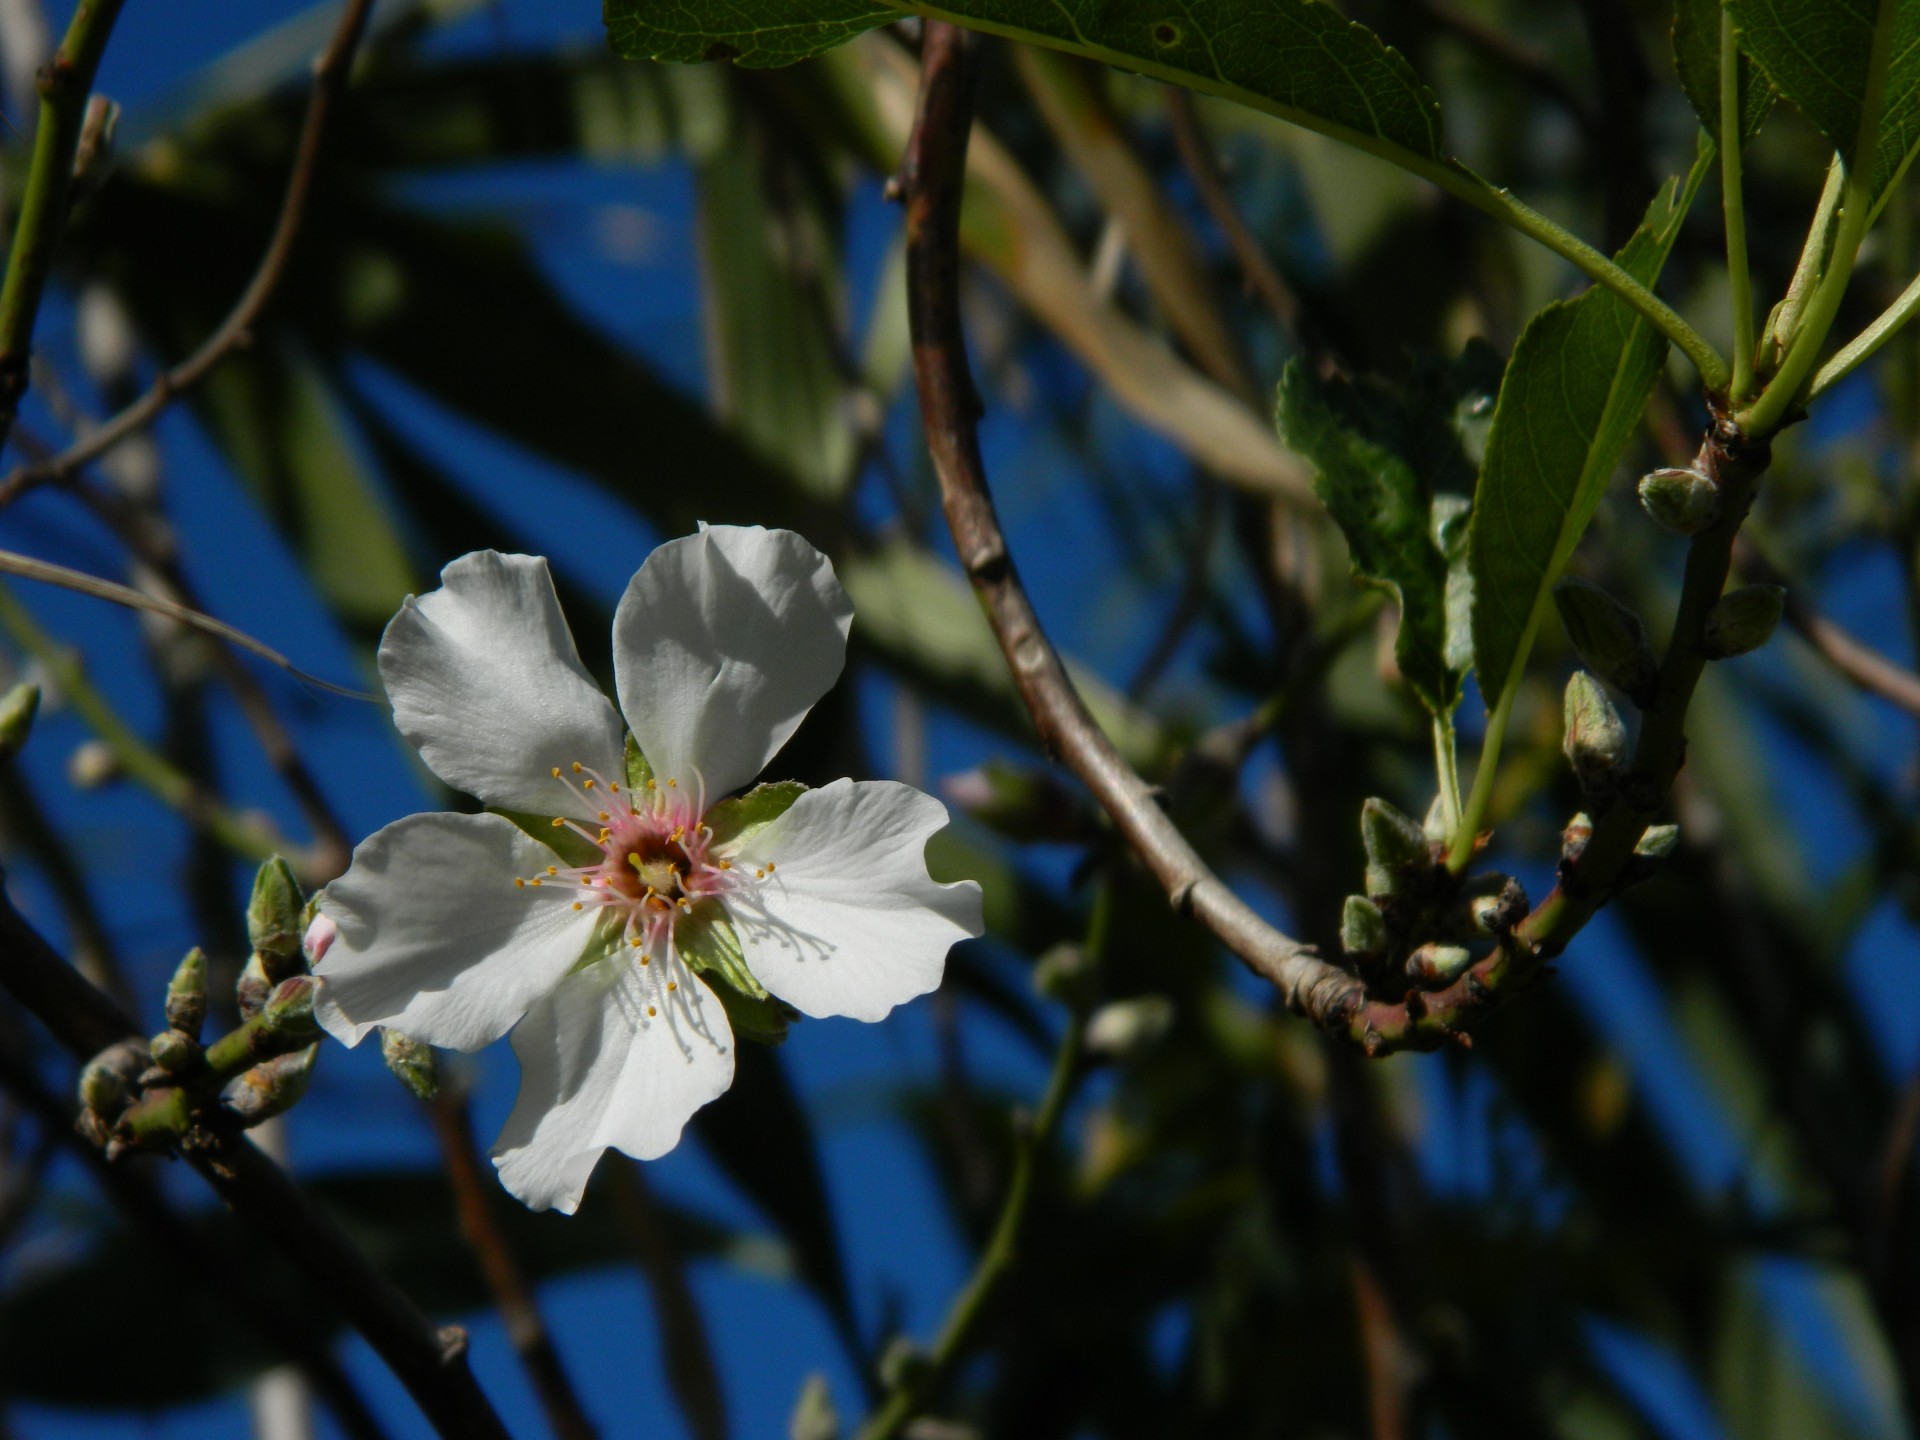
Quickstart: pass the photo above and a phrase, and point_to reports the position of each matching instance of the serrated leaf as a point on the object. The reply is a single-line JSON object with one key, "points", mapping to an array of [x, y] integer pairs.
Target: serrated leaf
{"points": [[1299, 59], [734, 820], [1384, 458], [1696, 59], [1574, 389], [1817, 53]]}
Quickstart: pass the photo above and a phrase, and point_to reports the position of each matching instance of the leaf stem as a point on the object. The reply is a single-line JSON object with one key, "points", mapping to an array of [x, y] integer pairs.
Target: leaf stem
{"points": [[1863, 346], [1782, 396], [1446, 765], [1733, 206], [1473, 815]]}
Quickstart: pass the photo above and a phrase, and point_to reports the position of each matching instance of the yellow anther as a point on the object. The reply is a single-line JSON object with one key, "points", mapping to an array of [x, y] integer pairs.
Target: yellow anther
{"points": [[684, 904], [673, 784], [643, 959], [769, 867], [726, 864], [672, 985], [558, 822], [586, 785], [761, 873], [577, 905], [577, 767], [636, 942], [534, 881], [553, 869], [519, 883], [651, 1011], [614, 786], [604, 816], [556, 772], [652, 786], [678, 831]]}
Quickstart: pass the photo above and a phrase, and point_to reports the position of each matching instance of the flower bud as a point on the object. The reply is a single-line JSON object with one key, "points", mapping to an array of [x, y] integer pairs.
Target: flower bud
{"points": [[175, 1053], [1658, 841], [107, 1080], [1495, 908], [1066, 973], [1596, 741], [250, 991], [1126, 1029], [17, 709], [1573, 839], [1683, 501], [320, 934], [270, 1088], [1742, 620], [1363, 930], [1434, 965], [289, 1010], [411, 1062], [1607, 636], [273, 919], [92, 765], [814, 1417], [1434, 825], [187, 994], [1396, 845]]}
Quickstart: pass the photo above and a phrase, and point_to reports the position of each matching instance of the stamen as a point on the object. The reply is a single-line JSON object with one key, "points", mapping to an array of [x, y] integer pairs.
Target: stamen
{"points": [[614, 786], [577, 905], [578, 767], [586, 784], [519, 884], [534, 881], [726, 864], [604, 817], [558, 821], [651, 1012], [556, 772], [673, 985], [553, 869]]}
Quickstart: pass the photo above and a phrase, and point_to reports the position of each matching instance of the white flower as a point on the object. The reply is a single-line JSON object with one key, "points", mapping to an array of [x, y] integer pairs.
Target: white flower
{"points": [[458, 928]]}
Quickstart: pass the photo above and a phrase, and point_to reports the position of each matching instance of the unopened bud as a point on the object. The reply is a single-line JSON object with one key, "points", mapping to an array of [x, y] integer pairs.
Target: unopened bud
{"points": [[107, 1080], [250, 991], [174, 1052], [1658, 841], [412, 1063], [1494, 910], [1683, 501], [270, 1088], [1595, 741], [17, 709], [273, 919], [1124, 1029], [1573, 839], [288, 1012], [318, 937], [1607, 636], [814, 1417], [1396, 845], [1066, 973], [1435, 826], [1019, 802], [187, 994], [1742, 620], [92, 765], [1363, 930], [1435, 964]]}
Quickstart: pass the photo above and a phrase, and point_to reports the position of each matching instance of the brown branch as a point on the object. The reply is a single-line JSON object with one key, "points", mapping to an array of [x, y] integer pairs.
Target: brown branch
{"points": [[329, 76], [686, 1350], [930, 182], [430, 1363], [475, 1196]]}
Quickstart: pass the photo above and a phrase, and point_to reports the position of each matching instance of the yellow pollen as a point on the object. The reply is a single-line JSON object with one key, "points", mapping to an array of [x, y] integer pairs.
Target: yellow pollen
{"points": [[558, 822], [769, 867], [673, 985], [652, 1011], [556, 772], [726, 864], [586, 785], [652, 786], [678, 831], [553, 869], [577, 767], [673, 784], [635, 942], [521, 884], [614, 786], [684, 904], [605, 816], [576, 905], [643, 959], [534, 881]]}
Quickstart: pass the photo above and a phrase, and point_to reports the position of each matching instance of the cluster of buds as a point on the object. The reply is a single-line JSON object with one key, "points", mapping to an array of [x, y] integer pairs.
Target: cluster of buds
{"points": [[1420, 927], [166, 1092]]}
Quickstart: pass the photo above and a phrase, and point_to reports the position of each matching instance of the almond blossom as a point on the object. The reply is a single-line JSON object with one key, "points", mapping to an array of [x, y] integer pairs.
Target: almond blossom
{"points": [[595, 943]]}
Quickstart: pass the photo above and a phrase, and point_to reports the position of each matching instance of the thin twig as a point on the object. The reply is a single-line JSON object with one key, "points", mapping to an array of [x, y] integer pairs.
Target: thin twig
{"points": [[930, 181], [685, 1348], [64, 83], [329, 76], [431, 1363], [474, 1194]]}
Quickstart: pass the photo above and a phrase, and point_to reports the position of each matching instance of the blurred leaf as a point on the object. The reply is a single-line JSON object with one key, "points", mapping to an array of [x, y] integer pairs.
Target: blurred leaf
{"points": [[1574, 389], [1817, 52], [774, 32], [1696, 57]]}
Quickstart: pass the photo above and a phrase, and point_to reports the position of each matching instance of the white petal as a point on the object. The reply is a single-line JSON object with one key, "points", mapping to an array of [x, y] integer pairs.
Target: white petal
{"points": [[849, 922], [436, 940], [610, 1058], [486, 683], [721, 645]]}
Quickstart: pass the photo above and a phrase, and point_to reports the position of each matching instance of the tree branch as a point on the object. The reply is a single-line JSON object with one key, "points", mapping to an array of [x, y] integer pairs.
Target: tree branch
{"points": [[329, 76], [930, 181], [431, 1363]]}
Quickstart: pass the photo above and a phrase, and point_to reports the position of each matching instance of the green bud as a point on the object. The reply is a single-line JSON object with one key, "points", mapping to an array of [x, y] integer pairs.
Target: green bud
{"points": [[1683, 501], [1658, 841], [174, 1052], [412, 1063], [273, 919], [1595, 741], [1363, 931], [288, 1013], [814, 1417], [187, 994], [270, 1088], [1742, 620], [1065, 972], [107, 1080], [250, 991], [17, 709], [1126, 1029], [1396, 845], [1607, 636], [1434, 965]]}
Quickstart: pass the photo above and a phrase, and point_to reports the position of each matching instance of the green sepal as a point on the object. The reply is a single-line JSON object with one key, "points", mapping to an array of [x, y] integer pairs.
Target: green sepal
{"points": [[706, 940], [411, 1062], [569, 845], [609, 938], [733, 821], [639, 772]]}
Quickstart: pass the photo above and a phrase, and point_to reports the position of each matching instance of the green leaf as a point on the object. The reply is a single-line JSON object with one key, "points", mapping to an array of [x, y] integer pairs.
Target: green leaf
{"points": [[1573, 393], [1696, 58], [1299, 59], [1383, 458], [1817, 52], [734, 820], [774, 32]]}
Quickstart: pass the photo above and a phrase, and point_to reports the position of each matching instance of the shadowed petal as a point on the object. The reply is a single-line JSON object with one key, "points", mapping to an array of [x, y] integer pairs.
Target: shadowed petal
{"points": [[849, 922], [434, 938], [611, 1057], [486, 683], [721, 645]]}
